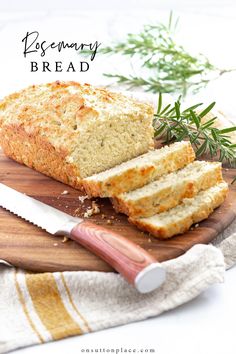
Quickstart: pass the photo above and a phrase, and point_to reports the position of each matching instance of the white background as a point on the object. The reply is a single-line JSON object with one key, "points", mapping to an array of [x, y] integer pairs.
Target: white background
{"points": [[206, 324]]}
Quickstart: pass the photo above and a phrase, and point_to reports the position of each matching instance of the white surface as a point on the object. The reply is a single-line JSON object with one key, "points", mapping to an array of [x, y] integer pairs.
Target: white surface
{"points": [[206, 324]]}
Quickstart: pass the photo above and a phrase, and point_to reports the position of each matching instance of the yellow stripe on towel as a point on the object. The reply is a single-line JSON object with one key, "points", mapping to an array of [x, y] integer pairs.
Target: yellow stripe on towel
{"points": [[73, 304], [49, 306], [23, 304]]}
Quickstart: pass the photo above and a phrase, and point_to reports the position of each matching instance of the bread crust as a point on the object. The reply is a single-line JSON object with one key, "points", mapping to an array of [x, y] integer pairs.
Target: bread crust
{"points": [[36, 152], [114, 186], [134, 177], [169, 197], [174, 228], [52, 128], [143, 207]]}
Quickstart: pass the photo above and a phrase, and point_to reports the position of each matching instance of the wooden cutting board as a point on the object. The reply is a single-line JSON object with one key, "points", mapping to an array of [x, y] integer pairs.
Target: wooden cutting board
{"points": [[24, 245]]}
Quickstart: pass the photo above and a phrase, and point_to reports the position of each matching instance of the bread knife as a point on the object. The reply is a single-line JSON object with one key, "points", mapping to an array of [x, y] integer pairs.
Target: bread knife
{"points": [[136, 265]]}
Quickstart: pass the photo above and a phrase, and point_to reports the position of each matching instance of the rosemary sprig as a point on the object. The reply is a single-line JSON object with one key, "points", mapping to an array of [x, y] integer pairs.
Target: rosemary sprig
{"points": [[175, 124], [167, 66]]}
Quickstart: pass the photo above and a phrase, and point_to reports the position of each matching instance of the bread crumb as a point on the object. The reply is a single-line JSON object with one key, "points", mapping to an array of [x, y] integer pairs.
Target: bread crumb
{"points": [[103, 216], [149, 240], [112, 217], [109, 222], [88, 213], [92, 210], [82, 198], [95, 208], [55, 244], [196, 225], [64, 192], [65, 239]]}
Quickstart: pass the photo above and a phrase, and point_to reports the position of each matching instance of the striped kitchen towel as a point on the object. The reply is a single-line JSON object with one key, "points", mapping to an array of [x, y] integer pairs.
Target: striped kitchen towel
{"points": [[37, 308]]}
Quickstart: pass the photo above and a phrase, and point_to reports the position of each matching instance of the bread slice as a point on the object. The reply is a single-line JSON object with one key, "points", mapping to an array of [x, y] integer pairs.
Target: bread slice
{"points": [[168, 191], [70, 131], [179, 219], [139, 171]]}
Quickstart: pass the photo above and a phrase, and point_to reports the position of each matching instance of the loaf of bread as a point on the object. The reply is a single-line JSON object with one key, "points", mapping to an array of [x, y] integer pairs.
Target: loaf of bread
{"points": [[139, 171], [168, 191], [70, 131], [179, 219]]}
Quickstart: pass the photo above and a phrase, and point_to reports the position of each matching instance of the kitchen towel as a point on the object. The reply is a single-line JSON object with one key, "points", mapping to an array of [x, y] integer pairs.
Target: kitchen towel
{"points": [[37, 308]]}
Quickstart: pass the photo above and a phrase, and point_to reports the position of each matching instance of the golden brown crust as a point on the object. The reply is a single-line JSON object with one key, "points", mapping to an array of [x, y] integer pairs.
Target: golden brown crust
{"points": [[135, 177], [66, 102], [60, 120], [168, 197], [173, 228], [143, 209], [126, 181], [36, 152]]}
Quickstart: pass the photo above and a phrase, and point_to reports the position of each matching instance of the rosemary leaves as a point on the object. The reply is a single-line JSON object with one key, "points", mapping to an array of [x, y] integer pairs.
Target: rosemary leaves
{"points": [[168, 66], [175, 124]]}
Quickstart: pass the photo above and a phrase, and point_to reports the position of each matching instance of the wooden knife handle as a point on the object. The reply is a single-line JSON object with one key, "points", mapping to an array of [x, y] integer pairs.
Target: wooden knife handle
{"points": [[136, 265]]}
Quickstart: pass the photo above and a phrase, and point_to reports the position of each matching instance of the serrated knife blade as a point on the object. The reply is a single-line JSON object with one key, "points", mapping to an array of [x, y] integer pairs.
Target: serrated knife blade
{"points": [[136, 265], [42, 215]]}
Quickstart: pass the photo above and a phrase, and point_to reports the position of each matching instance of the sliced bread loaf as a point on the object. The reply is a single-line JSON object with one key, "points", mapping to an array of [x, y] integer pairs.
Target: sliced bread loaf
{"points": [[139, 171], [179, 219], [69, 130], [168, 191]]}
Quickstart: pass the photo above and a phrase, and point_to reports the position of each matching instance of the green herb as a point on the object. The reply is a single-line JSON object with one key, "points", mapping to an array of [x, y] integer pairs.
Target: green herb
{"points": [[168, 66], [172, 123]]}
